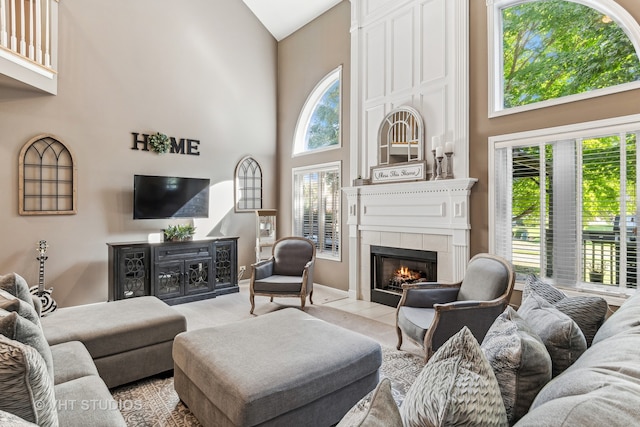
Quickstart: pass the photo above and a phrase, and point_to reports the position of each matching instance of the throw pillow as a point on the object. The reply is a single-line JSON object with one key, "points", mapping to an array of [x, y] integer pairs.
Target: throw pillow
{"points": [[17, 328], [560, 334], [16, 286], [587, 311], [8, 419], [383, 411], [26, 389], [519, 360], [10, 303], [456, 387]]}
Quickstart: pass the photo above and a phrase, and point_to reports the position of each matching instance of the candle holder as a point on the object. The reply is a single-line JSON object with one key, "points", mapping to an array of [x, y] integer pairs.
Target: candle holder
{"points": [[439, 168], [449, 172], [434, 174]]}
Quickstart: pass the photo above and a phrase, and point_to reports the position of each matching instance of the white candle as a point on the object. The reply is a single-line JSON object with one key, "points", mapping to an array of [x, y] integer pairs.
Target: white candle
{"points": [[448, 147], [438, 151], [435, 142]]}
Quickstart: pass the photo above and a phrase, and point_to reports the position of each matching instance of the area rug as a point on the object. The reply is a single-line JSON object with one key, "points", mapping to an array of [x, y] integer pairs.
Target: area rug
{"points": [[154, 402]]}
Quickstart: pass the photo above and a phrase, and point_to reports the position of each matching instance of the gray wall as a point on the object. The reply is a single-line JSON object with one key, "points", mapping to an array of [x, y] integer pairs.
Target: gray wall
{"points": [[304, 58], [205, 70]]}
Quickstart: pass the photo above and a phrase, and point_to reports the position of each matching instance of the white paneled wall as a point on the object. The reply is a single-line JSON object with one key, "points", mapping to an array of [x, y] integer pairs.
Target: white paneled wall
{"points": [[410, 53]]}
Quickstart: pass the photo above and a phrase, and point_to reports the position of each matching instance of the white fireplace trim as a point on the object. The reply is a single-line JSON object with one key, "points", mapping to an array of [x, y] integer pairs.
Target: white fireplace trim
{"points": [[424, 215]]}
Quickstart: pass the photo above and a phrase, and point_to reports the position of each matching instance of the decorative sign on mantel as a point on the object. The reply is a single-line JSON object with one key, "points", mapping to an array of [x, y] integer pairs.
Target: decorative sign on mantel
{"points": [[160, 143], [409, 171]]}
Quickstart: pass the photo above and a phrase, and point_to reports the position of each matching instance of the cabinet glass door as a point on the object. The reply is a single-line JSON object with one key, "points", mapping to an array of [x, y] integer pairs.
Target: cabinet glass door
{"points": [[169, 279], [197, 276], [134, 273]]}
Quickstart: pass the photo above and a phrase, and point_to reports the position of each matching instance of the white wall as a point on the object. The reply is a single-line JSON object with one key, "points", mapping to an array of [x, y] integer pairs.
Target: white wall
{"points": [[203, 70]]}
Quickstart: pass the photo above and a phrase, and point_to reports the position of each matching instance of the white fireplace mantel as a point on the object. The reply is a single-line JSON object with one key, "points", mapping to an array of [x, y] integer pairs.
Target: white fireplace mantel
{"points": [[423, 215]]}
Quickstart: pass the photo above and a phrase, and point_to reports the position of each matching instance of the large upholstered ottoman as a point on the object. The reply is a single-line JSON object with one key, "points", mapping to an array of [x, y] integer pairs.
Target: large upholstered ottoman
{"points": [[127, 339], [285, 368]]}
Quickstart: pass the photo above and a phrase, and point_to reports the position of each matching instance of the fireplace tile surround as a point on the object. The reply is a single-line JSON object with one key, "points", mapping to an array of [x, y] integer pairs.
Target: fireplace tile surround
{"points": [[421, 215]]}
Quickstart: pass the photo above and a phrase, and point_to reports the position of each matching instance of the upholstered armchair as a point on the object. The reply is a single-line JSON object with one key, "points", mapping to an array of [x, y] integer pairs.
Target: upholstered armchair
{"points": [[431, 313], [288, 273]]}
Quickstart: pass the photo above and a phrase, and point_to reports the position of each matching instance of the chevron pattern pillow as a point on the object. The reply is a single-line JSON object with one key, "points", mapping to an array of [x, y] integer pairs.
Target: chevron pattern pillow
{"points": [[456, 387]]}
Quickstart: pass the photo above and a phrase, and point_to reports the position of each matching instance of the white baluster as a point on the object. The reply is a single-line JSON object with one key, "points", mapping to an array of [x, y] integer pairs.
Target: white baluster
{"points": [[31, 22], [14, 40], [38, 32], [3, 23], [47, 57], [23, 45]]}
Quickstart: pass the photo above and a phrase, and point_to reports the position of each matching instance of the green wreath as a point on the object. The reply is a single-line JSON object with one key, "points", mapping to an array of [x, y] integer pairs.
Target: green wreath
{"points": [[159, 143]]}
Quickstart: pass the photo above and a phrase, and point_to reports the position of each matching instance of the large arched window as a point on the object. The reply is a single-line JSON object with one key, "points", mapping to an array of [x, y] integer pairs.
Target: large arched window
{"points": [[548, 52], [318, 126]]}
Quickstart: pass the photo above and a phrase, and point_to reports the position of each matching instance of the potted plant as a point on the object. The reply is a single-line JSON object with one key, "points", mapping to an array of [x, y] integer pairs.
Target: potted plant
{"points": [[159, 142], [596, 273], [179, 233]]}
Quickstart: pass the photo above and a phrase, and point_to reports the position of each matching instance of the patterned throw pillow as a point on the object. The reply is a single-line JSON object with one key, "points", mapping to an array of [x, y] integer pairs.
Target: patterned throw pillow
{"points": [[10, 303], [16, 286], [17, 328], [8, 419], [587, 311], [383, 411], [26, 389], [456, 387], [519, 360], [560, 334]]}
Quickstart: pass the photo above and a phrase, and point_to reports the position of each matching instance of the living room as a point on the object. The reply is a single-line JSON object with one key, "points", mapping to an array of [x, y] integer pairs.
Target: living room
{"points": [[211, 72]]}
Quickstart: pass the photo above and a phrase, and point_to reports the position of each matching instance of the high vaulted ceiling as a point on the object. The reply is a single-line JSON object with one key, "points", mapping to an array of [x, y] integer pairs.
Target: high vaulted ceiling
{"points": [[283, 17]]}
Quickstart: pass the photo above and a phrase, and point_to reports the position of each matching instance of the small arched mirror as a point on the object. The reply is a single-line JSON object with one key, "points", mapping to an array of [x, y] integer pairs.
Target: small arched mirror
{"points": [[401, 137]]}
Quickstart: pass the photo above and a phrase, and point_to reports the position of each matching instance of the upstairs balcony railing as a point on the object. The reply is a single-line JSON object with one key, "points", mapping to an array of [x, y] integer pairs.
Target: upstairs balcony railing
{"points": [[28, 40]]}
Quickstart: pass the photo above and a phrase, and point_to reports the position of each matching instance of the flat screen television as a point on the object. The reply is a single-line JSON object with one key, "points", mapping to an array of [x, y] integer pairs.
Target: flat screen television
{"points": [[157, 197]]}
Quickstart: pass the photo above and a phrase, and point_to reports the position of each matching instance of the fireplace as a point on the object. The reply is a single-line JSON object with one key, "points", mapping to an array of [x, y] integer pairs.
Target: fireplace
{"points": [[393, 267]]}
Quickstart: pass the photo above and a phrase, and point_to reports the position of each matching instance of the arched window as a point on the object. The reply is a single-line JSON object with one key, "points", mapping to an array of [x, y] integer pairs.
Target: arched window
{"points": [[548, 52], [248, 185], [318, 126], [48, 178]]}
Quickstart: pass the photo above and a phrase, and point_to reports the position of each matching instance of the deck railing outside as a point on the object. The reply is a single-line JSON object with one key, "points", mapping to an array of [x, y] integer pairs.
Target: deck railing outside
{"points": [[26, 29]]}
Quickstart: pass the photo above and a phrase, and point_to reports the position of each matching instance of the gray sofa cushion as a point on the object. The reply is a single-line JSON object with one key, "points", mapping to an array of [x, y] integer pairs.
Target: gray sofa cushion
{"points": [[520, 361], [71, 360], [9, 302], [26, 388], [561, 336], [456, 387], [625, 320], [114, 327], [16, 286], [588, 312], [86, 401], [20, 329]]}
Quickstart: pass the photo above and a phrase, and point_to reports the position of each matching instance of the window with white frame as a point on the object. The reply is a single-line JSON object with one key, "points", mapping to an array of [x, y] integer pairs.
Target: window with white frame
{"points": [[318, 125], [316, 207], [548, 52], [564, 203]]}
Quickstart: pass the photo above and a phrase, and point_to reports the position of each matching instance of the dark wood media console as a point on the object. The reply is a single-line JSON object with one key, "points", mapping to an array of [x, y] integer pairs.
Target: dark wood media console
{"points": [[176, 272]]}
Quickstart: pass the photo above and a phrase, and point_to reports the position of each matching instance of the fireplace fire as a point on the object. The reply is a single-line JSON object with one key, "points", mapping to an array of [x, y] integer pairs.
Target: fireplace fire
{"points": [[393, 267]]}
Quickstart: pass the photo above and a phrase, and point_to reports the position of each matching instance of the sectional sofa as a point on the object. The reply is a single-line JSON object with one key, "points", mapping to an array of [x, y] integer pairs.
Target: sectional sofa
{"points": [[57, 370]]}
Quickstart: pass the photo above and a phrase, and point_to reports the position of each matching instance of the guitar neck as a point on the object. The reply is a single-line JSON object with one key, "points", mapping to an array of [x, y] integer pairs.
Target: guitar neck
{"points": [[41, 275]]}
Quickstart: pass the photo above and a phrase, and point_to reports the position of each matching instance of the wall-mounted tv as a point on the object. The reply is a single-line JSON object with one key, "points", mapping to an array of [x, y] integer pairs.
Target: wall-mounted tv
{"points": [[156, 197]]}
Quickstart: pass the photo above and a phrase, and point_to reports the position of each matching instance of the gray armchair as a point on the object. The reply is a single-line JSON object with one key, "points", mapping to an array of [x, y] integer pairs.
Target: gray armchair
{"points": [[431, 313], [288, 273]]}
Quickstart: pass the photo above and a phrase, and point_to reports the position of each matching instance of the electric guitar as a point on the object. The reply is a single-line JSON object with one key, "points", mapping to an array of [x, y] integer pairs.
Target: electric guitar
{"points": [[48, 304]]}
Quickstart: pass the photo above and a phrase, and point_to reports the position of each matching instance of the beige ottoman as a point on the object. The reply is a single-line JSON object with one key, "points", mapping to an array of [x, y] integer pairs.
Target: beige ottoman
{"points": [[285, 368]]}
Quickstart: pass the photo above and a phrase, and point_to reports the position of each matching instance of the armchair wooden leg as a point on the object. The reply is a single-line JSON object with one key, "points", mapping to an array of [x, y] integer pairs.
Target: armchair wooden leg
{"points": [[253, 303], [271, 298], [399, 332], [303, 300], [311, 297]]}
